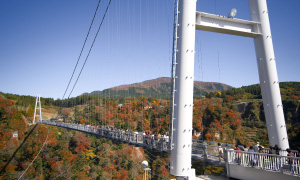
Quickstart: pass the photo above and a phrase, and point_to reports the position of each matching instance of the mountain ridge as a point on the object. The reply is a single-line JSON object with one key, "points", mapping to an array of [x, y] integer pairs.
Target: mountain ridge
{"points": [[159, 87]]}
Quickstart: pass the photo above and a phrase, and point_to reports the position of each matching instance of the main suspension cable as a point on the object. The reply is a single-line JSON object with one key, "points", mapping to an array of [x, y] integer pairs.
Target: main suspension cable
{"points": [[91, 47], [82, 49]]}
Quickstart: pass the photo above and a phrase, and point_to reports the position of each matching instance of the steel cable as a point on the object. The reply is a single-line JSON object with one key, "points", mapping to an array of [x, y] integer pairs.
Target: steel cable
{"points": [[82, 49], [91, 47]]}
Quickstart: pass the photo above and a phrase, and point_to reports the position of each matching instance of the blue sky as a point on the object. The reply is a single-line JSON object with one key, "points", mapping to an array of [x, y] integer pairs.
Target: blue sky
{"points": [[40, 42]]}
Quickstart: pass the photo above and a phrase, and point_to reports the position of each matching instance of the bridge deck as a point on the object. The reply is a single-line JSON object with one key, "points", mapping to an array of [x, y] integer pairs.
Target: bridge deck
{"points": [[207, 150]]}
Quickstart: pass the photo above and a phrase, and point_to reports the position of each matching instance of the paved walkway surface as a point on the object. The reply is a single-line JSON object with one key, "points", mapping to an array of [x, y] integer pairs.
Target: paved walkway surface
{"points": [[210, 177], [212, 159]]}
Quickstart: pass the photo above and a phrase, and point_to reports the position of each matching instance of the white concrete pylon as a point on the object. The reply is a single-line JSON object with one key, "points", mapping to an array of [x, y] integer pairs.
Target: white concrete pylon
{"points": [[184, 85], [37, 107], [268, 76], [259, 29]]}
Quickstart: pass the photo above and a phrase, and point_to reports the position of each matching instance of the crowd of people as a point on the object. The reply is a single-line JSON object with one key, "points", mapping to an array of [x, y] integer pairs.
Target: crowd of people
{"points": [[259, 149], [255, 149], [148, 138]]}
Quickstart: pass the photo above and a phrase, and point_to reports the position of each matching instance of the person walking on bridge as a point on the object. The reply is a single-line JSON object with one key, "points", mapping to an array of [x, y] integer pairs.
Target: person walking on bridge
{"points": [[255, 147], [291, 161], [221, 152], [237, 154], [251, 156]]}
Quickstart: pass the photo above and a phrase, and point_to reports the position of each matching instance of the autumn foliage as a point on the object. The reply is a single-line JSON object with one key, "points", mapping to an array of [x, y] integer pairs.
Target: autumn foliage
{"points": [[224, 117]]}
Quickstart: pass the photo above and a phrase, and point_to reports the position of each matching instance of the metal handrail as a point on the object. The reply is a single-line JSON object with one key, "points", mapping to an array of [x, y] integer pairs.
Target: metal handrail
{"points": [[277, 163]]}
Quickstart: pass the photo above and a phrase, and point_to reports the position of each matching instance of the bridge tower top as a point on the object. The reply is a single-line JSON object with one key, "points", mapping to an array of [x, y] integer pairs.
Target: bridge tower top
{"points": [[258, 28]]}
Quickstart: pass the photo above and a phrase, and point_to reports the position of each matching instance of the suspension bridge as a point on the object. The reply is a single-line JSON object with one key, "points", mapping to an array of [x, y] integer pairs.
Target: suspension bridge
{"points": [[260, 165], [239, 164]]}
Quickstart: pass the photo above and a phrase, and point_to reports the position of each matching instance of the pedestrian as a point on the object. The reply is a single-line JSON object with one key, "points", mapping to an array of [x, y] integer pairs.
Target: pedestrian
{"points": [[271, 150], [205, 150], [291, 161], [237, 154], [251, 156], [277, 149], [261, 149], [262, 164], [255, 147], [245, 148], [271, 158], [237, 148], [221, 152]]}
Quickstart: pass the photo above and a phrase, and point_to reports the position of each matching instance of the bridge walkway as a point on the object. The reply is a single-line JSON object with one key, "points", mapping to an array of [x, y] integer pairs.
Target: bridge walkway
{"points": [[206, 150]]}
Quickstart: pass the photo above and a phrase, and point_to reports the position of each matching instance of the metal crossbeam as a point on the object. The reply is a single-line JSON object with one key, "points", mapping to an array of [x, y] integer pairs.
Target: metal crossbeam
{"points": [[226, 25]]}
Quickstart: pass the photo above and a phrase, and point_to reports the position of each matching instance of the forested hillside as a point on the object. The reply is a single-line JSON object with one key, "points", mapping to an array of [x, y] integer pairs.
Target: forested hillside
{"points": [[232, 116], [67, 154], [248, 102], [159, 88]]}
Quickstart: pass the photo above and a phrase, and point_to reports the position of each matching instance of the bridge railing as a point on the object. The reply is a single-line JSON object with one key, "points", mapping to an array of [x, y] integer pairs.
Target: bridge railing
{"points": [[212, 148], [206, 148], [283, 164], [160, 143]]}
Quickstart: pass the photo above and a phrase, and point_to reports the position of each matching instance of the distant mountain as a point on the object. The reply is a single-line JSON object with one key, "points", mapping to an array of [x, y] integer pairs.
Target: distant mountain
{"points": [[159, 88]]}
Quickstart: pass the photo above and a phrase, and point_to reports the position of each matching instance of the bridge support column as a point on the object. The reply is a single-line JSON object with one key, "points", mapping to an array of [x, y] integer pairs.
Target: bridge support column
{"points": [[184, 85], [268, 76], [37, 108]]}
